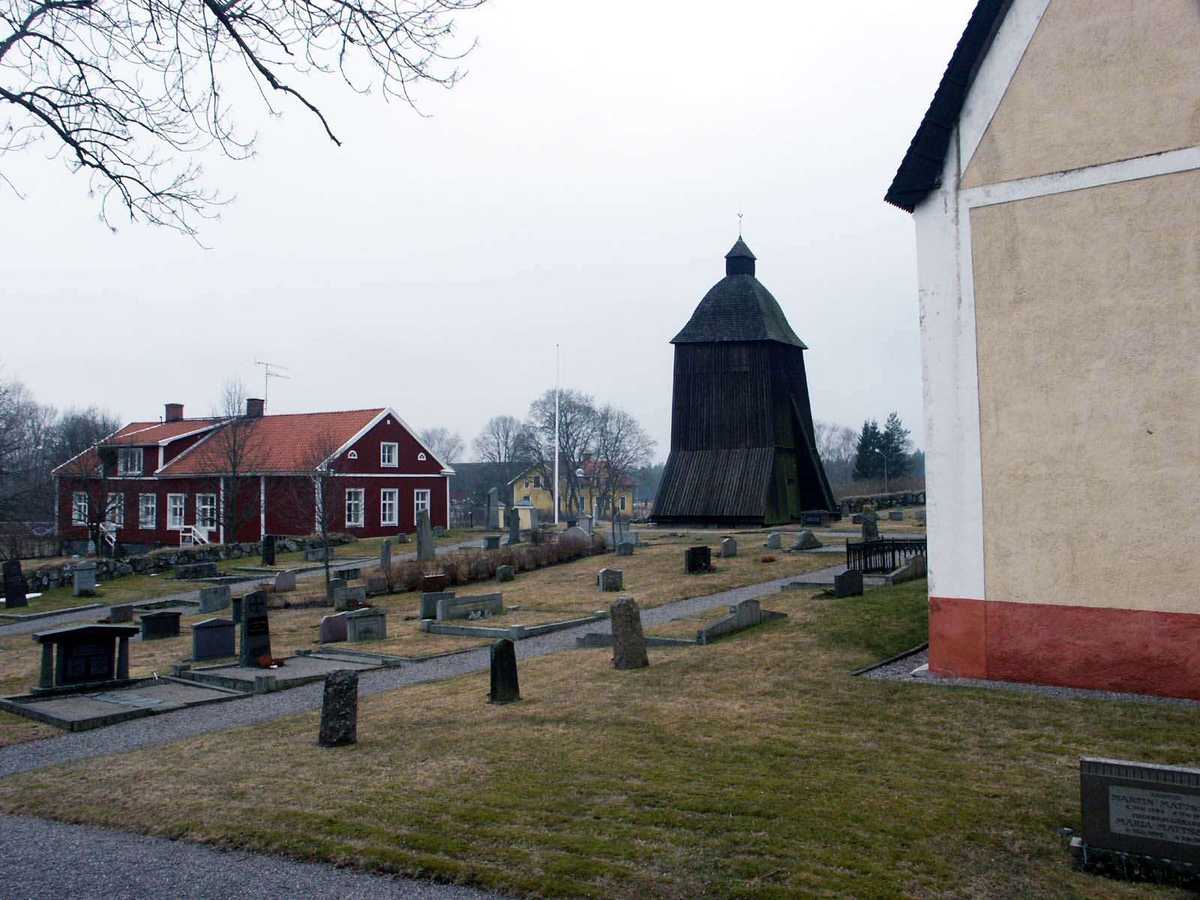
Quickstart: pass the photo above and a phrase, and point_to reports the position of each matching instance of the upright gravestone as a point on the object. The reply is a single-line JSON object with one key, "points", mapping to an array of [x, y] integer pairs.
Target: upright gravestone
{"points": [[237, 609], [728, 548], [806, 540], [774, 541], [697, 559], [348, 598], [121, 613], [85, 656], [285, 582], [434, 583], [339, 709], [629, 643], [514, 527], [439, 530], [213, 639], [848, 584], [493, 509], [895, 515], [505, 573], [368, 624], [870, 524], [85, 579], [425, 551], [268, 550], [14, 585], [429, 602], [491, 542], [333, 629], [385, 555], [625, 548], [158, 626], [611, 579], [256, 630], [214, 598], [505, 688]]}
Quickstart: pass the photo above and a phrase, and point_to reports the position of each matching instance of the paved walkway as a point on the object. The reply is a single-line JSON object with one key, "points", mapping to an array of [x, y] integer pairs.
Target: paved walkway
{"points": [[53, 860]]}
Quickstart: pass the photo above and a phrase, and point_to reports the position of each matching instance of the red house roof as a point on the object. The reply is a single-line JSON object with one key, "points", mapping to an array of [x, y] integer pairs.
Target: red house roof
{"points": [[139, 434], [297, 442]]}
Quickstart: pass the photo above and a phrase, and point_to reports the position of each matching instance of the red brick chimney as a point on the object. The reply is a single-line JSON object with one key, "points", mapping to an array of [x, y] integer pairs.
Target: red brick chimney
{"points": [[254, 407], [174, 412]]}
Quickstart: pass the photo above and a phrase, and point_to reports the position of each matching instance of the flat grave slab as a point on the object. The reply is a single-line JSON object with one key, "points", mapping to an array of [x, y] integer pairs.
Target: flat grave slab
{"points": [[296, 671], [85, 711]]}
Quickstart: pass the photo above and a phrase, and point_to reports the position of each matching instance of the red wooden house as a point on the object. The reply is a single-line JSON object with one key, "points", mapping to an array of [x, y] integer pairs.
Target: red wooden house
{"points": [[220, 480]]}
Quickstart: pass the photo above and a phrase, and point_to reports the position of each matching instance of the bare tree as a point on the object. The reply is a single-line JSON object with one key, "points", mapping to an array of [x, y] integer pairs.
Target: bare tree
{"points": [[322, 481], [95, 503], [236, 450], [446, 445], [121, 88], [26, 436], [837, 446], [504, 439], [577, 423], [621, 447]]}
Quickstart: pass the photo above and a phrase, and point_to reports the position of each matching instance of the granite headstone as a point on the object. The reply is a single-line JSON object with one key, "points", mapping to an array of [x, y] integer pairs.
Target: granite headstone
{"points": [[629, 643], [256, 629], [339, 709], [505, 688]]}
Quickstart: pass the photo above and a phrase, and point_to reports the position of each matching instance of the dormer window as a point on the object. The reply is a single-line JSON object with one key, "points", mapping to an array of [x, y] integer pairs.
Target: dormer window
{"points": [[129, 461], [389, 454]]}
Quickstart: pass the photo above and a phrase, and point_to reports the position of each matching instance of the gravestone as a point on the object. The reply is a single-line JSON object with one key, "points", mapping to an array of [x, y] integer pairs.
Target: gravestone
{"points": [[268, 550], [429, 602], [348, 598], [366, 625], [439, 530], [697, 559], [451, 607], [214, 598], [350, 573], [333, 629], [85, 579], [774, 541], [848, 584], [14, 585], [728, 548], [629, 643], [493, 509], [1148, 812], [481, 570], [333, 586], [403, 538], [514, 528], [318, 554], [810, 518], [856, 519], [575, 540], [213, 639], [611, 580], [920, 514], [157, 626], [870, 526], [505, 688], [285, 582], [505, 573], [625, 548], [196, 570], [256, 629], [339, 709], [237, 609], [491, 542], [806, 540], [121, 613], [385, 555], [83, 655], [896, 515], [376, 585], [425, 549], [432, 583], [588, 524]]}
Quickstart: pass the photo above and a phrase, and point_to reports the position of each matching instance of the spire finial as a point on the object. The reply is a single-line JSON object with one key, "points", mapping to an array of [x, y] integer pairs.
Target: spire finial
{"points": [[739, 222]]}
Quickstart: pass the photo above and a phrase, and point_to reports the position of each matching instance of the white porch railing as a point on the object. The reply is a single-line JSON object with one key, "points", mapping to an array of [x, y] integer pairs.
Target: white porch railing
{"points": [[108, 533], [192, 535]]}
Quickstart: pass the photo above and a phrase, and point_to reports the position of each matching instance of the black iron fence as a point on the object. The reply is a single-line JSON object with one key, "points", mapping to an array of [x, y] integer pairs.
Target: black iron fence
{"points": [[883, 555]]}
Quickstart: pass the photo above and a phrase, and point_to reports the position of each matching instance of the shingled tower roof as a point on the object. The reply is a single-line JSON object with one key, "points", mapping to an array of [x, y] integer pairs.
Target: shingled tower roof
{"points": [[738, 308]]}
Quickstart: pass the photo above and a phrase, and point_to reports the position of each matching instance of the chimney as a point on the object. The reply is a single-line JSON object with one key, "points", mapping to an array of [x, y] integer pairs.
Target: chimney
{"points": [[254, 407], [174, 412]]}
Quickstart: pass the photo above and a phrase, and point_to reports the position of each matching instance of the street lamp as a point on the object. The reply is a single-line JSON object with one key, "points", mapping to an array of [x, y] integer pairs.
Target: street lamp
{"points": [[885, 472]]}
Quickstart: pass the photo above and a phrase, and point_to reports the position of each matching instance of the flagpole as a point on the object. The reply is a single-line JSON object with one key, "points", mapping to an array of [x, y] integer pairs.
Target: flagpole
{"points": [[556, 452]]}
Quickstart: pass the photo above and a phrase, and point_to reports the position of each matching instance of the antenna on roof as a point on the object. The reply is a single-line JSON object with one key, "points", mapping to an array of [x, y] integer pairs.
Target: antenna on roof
{"points": [[739, 223], [268, 374]]}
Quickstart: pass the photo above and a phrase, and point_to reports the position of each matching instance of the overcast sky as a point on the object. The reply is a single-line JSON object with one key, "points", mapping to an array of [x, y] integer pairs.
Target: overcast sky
{"points": [[581, 186]]}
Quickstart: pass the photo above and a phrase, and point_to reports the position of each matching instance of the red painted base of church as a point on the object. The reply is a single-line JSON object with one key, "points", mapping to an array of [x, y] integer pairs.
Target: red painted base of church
{"points": [[1101, 649]]}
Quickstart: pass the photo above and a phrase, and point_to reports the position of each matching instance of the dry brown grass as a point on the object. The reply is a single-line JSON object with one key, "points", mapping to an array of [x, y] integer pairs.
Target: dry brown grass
{"points": [[750, 768]]}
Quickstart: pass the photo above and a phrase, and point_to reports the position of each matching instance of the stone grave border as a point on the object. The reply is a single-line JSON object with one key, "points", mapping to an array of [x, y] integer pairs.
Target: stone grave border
{"points": [[512, 632], [65, 611], [26, 705], [255, 680]]}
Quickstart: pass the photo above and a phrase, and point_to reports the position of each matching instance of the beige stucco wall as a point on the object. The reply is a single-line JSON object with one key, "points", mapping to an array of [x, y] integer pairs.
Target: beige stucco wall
{"points": [[1102, 80], [1088, 329]]}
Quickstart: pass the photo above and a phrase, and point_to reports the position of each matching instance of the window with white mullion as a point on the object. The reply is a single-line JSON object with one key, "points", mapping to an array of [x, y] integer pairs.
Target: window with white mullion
{"points": [[354, 507], [206, 511], [420, 502], [148, 512], [79, 508], [115, 513], [175, 508], [389, 506], [389, 454], [129, 461]]}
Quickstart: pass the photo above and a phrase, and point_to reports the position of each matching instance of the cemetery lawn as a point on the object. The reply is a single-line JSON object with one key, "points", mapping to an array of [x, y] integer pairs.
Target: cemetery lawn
{"points": [[753, 767], [130, 589]]}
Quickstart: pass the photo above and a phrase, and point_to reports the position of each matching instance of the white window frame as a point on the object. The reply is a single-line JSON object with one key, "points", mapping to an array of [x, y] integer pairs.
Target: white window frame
{"points": [[206, 511], [389, 498], [421, 500], [115, 514], [356, 503], [622, 503], [79, 507], [125, 455], [147, 512], [384, 455], [175, 522]]}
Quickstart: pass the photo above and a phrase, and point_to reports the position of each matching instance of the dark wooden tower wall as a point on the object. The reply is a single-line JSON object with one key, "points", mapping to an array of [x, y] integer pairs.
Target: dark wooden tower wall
{"points": [[742, 447]]}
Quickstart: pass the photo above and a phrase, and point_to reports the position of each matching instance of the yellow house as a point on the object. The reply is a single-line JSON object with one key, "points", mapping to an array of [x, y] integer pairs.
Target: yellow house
{"points": [[534, 486], [1054, 185]]}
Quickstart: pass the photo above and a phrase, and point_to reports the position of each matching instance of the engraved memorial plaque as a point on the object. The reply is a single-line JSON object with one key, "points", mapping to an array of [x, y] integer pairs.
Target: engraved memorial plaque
{"points": [[1142, 809]]}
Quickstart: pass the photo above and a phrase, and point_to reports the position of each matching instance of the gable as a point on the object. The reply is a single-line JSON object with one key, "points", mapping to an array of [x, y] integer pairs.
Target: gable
{"points": [[367, 451], [1099, 82]]}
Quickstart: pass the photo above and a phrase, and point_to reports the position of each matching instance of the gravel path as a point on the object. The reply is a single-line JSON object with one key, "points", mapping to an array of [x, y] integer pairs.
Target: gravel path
{"points": [[162, 729], [50, 859], [903, 669]]}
